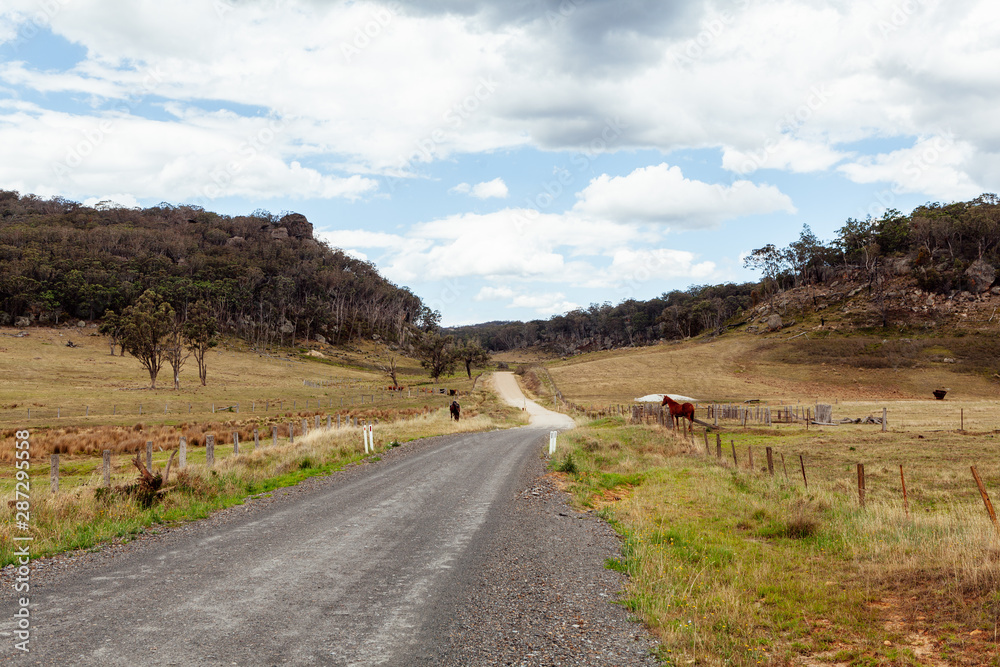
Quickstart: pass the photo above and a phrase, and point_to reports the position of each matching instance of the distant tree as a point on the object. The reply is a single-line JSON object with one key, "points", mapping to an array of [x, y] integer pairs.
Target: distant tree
{"points": [[111, 326], [200, 332], [146, 327], [428, 320], [854, 237], [471, 354], [387, 365], [176, 353], [772, 262], [436, 354], [892, 232]]}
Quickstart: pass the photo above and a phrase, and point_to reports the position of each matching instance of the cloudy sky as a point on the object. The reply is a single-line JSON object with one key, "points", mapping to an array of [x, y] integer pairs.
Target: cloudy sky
{"points": [[511, 159]]}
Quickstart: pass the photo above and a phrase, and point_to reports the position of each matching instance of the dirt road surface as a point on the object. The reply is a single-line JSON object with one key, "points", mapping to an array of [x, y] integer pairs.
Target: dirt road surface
{"points": [[454, 550]]}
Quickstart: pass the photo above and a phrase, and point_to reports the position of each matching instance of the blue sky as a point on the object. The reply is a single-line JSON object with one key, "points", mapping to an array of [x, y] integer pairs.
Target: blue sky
{"points": [[510, 159]]}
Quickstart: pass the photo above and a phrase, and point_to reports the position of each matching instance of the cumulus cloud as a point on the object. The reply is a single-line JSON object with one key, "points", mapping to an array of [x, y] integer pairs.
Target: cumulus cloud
{"points": [[933, 165], [495, 188], [543, 303], [793, 79], [661, 194], [113, 201], [58, 153]]}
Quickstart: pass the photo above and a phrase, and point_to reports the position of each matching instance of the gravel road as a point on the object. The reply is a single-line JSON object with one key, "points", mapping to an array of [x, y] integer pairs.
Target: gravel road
{"points": [[454, 550]]}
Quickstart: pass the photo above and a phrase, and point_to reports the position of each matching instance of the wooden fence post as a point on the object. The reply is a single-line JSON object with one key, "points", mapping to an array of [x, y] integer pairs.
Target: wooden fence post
{"points": [[54, 474], [861, 484], [770, 461], [183, 447], [750, 455], [906, 502], [106, 455], [305, 427], [802, 464], [236, 443], [291, 432], [329, 420], [149, 455], [274, 436], [210, 450], [708, 451], [884, 411], [986, 499], [256, 439], [316, 422], [732, 443], [783, 466]]}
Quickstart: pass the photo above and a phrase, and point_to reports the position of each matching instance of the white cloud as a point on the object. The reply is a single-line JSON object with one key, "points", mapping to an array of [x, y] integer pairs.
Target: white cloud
{"points": [[790, 78], [113, 201], [495, 188], [543, 303], [661, 194], [551, 303], [57, 153], [637, 266], [933, 165], [493, 294]]}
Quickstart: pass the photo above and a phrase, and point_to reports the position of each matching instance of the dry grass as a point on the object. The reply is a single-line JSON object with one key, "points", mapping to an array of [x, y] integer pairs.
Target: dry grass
{"points": [[770, 368], [74, 519], [731, 566], [38, 372]]}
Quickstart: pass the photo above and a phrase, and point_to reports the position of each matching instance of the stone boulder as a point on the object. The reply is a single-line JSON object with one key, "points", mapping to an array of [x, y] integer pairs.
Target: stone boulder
{"points": [[22, 322], [774, 322], [980, 276], [235, 241], [320, 339], [81, 324], [297, 225], [279, 234]]}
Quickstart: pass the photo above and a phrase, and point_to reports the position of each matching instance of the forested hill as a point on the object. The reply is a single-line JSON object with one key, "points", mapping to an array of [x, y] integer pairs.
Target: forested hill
{"points": [[264, 277], [943, 250]]}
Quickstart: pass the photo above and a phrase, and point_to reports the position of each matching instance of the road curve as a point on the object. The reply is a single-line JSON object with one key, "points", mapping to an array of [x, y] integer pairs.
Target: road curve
{"points": [[506, 386], [376, 565]]}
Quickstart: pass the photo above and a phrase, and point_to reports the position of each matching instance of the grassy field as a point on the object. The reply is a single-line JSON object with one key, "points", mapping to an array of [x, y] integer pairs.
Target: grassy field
{"points": [[774, 369], [58, 383], [76, 518], [731, 566], [85, 385]]}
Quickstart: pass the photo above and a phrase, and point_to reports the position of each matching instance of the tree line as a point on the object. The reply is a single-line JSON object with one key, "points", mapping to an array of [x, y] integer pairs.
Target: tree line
{"points": [[262, 277], [946, 247]]}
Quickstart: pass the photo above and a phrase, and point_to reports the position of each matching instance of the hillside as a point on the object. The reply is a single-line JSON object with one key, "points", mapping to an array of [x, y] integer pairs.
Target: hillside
{"points": [[265, 277], [936, 266]]}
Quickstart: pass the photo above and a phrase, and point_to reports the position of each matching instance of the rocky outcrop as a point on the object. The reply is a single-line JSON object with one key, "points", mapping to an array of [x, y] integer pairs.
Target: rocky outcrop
{"points": [[980, 276], [297, 225]]}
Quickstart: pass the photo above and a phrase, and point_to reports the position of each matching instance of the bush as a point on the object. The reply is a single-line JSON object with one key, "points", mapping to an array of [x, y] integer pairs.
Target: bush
{"points": [[568, 465]]}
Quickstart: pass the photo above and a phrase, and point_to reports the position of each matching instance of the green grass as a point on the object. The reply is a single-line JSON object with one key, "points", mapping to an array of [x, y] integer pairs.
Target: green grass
{"points": [[75, 519], [733, 567]]}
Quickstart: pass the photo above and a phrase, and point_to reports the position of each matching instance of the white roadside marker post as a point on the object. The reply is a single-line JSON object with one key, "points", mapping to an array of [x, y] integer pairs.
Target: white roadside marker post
{"points": [[552, 442]]}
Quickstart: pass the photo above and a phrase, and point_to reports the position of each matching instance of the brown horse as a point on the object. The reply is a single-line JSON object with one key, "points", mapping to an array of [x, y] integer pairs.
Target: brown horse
{"points": [[679, 411], [456, 410]]}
